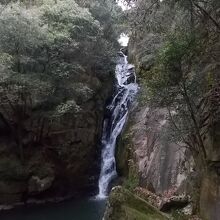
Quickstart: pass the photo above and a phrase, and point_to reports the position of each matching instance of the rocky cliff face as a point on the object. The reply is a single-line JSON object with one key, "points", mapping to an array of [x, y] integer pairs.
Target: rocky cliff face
{"points": [[159, 161], [164, 166], [61, 164]]}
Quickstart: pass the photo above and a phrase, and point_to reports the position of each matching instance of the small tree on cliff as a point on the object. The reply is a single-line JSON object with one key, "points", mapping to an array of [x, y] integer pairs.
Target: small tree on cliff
{"points": [[175, 84], [173, 81]]}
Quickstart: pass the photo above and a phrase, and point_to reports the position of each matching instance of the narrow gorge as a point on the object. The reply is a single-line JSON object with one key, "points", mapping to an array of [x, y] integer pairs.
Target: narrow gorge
{"points": [[110, 110]]}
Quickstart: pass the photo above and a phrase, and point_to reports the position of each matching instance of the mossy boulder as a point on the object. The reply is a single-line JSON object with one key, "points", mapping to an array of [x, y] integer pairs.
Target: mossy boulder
{"points": [[124, 205]]}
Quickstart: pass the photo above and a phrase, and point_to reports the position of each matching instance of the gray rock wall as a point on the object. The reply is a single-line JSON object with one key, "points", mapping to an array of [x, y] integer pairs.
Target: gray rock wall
{"points": [[160, 162]]}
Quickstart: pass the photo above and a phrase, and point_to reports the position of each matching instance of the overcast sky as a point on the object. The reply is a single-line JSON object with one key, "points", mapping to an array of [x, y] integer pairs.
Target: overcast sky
{"points": [[123, 6], [123, 40]]}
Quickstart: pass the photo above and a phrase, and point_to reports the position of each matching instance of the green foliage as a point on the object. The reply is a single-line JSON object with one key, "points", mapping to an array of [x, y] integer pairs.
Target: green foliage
{"points": [[67, 20], [57, 53], [57, 38], [53, 41], [20, 30], [176, 48], [132, 180], [175, 84], [164, 79], [125, 205]]}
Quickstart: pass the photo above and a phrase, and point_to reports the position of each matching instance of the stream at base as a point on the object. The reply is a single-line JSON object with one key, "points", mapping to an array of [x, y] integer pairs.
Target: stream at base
{"points": [[69, 210]]}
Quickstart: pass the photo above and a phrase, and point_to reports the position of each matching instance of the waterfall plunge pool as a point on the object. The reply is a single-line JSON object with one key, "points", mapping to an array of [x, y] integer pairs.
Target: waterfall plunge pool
{"points": [[85, 209]]}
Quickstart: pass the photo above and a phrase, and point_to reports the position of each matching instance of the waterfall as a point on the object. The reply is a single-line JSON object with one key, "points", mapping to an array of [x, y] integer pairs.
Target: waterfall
{"points": [[126, 89]]}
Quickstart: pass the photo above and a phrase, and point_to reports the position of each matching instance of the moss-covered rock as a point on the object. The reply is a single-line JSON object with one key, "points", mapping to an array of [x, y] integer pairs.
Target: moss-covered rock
{"points": [[123, 205]]}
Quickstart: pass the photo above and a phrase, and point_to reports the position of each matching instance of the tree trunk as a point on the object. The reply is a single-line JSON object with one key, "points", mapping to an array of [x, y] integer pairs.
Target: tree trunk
{"points": [[193, 117]]}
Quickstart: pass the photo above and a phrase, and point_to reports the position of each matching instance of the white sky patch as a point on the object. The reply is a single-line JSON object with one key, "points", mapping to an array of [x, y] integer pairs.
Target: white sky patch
{"points": [[123, 40], [123, 5]]}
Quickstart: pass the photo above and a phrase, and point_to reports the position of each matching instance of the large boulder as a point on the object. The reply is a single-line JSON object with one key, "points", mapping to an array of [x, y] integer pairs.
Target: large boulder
{"points": [[123, 205]]}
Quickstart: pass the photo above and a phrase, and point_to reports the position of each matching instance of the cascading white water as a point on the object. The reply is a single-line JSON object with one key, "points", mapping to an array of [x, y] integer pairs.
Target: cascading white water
{"points": [[126, 89]]}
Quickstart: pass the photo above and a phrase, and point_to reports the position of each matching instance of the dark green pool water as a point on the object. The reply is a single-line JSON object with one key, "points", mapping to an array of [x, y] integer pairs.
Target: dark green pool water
{"points": [[68, 210]]}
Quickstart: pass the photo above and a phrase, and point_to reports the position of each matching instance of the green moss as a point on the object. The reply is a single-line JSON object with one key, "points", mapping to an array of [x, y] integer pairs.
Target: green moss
{"points": [[132, 180], [135, 214], [126, 166], [123, 152], [127, 206], [179, 216]]}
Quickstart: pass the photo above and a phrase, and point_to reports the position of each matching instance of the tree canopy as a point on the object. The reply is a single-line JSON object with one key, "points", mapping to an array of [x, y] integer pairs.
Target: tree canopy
{"points": [[54, 55], [171, 43]]}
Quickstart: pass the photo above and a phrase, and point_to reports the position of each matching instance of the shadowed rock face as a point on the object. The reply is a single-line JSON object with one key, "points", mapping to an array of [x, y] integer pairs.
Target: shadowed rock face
{"points": [[63, 164]]}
